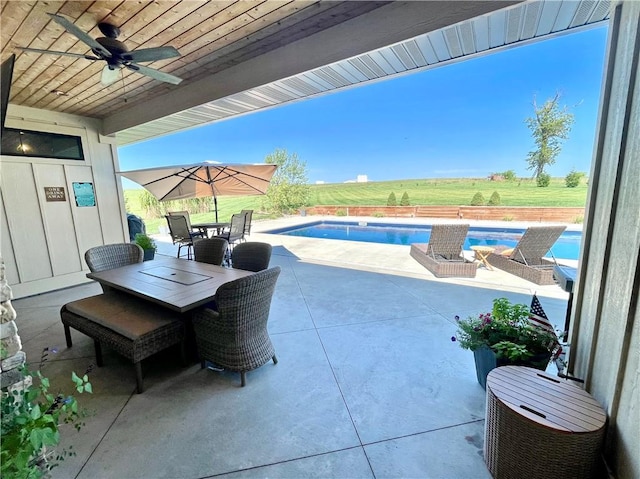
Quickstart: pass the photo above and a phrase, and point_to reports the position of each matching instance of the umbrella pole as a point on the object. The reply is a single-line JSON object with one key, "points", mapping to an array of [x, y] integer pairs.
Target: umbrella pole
{"points": [[213, 192]]}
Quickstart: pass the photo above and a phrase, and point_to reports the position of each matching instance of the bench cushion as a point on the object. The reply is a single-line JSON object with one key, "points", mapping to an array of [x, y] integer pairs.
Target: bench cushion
{"points": [[125, 314]]}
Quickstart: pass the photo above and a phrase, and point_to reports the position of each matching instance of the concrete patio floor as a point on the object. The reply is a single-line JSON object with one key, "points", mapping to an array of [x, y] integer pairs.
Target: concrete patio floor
{"points": [[368, 383]]}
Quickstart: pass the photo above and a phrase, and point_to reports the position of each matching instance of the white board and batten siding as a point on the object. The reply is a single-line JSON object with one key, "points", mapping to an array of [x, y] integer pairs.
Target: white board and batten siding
{"points": [[42, 241]]}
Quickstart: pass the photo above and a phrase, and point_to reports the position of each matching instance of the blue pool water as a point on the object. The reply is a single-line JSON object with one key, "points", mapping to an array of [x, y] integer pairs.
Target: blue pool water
{"points": [[567, 246]]}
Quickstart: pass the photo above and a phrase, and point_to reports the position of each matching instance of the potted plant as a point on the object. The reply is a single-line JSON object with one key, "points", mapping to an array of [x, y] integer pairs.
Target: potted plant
{"points": [[31, 417], [505, 336], [148, 244]]}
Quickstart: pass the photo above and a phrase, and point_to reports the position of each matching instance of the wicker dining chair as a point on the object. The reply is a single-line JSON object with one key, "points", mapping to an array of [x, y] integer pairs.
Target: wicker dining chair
{"points": [[234, 337], [210, 250], [252, 256], [109, 256]]}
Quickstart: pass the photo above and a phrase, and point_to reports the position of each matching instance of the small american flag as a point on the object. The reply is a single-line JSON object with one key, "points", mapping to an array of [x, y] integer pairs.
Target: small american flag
{"points": [[537, 316]]}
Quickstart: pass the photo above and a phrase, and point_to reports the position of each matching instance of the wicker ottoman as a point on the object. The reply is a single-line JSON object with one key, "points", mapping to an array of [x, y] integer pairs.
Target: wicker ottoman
{"points": [[540, 426]]}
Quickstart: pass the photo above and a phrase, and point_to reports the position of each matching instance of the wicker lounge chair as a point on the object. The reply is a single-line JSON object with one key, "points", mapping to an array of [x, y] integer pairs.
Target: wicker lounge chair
{"points": [[443, 254], [235, 335], [526, 259]]}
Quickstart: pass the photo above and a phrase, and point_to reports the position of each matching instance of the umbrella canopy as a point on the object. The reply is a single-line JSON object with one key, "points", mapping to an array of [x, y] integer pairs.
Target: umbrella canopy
{"points": [[204, 179]]}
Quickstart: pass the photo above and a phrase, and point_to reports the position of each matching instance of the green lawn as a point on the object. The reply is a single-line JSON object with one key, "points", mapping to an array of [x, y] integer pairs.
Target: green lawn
{"points": [[456, 192]]}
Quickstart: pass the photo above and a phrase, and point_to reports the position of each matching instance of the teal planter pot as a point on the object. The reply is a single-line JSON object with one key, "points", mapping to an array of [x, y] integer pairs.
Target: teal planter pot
{"points": [[149, 254], [486, 360]]}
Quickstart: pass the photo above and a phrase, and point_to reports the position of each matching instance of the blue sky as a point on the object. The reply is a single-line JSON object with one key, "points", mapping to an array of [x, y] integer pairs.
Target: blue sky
{"points": [[466, 119]]}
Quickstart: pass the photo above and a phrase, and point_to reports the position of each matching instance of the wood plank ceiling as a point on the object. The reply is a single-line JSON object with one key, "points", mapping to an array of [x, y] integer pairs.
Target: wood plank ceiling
{"points": [[210, 36]]}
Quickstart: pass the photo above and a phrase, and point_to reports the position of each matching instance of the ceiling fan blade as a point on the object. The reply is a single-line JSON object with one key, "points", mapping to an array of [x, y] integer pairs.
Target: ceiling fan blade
{"points": [[109, 76], [82, 36], [155, 74], [51, 52], [150, 54]]}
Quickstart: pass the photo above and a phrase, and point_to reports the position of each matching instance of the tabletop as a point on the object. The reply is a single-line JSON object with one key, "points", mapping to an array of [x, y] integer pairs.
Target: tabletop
{"points": [[211, 225], [178, 284], [483, 249], [207, 226]]}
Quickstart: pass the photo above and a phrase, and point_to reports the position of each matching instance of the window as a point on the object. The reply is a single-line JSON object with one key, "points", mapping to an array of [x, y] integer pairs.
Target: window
{"points": [[41, 144]]}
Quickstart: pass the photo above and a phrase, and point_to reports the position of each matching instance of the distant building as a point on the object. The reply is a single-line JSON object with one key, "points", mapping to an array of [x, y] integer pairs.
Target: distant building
{"points": [[319, 182], [362, 179]]}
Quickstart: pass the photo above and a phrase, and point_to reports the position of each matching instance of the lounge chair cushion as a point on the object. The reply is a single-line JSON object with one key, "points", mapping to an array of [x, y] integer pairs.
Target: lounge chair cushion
{"points": [[123, 314]]}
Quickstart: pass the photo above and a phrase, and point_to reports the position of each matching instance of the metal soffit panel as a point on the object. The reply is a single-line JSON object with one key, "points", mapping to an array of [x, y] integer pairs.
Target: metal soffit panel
{"points": [[524, 22]]}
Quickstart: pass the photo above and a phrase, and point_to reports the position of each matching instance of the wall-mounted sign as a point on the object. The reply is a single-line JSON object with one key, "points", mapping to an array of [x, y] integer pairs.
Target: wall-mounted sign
{"points": [[55, 193], [84, 194]]}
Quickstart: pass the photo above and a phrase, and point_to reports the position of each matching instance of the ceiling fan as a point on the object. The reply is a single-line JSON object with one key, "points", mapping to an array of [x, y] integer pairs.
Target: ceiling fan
{"points": [[115, 53]]}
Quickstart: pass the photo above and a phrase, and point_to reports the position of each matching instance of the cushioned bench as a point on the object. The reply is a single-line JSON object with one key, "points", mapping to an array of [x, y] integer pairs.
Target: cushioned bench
{"points": [[131, 326]]}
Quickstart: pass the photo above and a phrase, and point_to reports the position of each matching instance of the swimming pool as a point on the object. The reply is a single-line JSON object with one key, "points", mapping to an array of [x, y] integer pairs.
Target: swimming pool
{"points": [[567, 246]]}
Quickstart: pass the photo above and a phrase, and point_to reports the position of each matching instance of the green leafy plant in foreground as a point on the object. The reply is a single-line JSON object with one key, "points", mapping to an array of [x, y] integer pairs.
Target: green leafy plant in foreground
{"points": [[30, 423]]}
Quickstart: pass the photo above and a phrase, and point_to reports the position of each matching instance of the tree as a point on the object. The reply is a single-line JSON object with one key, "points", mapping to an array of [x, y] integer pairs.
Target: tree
{"points": [[404, 201], [391, 200], [477, 200], [543, 180], [509, 175], [495, 199], [549, 125], [573, 178], [289, 189]]}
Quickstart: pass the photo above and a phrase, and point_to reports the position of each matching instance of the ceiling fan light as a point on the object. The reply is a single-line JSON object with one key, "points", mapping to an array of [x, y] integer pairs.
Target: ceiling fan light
{"points": [[110, 74]]}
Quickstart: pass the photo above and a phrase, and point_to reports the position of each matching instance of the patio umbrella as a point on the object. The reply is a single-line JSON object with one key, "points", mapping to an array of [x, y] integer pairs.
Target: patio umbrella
{"points": [[204, 179]]}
